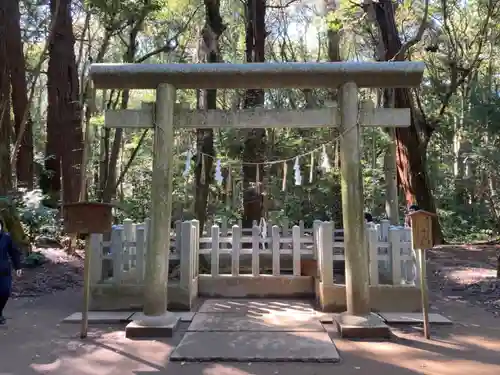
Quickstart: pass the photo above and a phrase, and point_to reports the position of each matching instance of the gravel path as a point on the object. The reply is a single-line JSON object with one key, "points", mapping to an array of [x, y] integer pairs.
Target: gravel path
{"points": [[466, 273], [60, 272]]}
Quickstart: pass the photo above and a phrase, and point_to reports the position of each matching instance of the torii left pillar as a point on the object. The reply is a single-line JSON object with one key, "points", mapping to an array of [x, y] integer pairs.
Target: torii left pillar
{"points": [[156, 321], [358, 321]]}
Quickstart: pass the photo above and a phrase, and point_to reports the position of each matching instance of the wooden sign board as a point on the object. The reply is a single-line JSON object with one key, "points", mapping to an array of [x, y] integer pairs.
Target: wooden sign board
{"points": [[87, 217], [421, 229]]}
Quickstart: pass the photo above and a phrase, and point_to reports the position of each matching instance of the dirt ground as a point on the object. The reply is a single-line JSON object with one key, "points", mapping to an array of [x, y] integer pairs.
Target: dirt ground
{"points": [[460, 278]]}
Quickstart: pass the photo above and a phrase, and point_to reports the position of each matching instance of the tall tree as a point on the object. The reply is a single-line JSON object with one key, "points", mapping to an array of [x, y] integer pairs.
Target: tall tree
{"points": [[255, 143], [64, 131], [412, 142], [209, 52], [23, 124], [5, 107], [8, 212]]}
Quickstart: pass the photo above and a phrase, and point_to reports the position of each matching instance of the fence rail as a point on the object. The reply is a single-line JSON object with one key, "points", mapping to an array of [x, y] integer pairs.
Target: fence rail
{"points": [[119, 257]]}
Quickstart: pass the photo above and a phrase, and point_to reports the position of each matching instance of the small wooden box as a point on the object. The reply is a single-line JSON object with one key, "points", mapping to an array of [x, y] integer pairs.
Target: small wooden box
{"points": [[87, 217], [421, 229]]}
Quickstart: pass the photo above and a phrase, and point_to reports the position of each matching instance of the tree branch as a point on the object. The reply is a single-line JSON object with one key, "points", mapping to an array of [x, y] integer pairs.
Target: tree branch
{"points": [[167, 47], [283, 6], [476, 61], [417, 38]]}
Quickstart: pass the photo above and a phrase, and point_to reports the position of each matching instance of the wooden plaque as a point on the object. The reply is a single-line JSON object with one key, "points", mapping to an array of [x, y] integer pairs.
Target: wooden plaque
{"points": [[87, 217]]}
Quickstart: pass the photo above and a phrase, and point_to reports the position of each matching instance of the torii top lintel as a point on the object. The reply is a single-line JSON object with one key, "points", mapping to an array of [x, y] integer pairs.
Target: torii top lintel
{"points": [[258, 75]]}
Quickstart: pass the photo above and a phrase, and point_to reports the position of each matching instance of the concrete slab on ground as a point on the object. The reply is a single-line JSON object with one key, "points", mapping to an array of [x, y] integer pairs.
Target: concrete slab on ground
{"points": [[256, 347], [256, 306], [262, 323], [117, 317], [184, 316], [412, 318], [101, 317]]}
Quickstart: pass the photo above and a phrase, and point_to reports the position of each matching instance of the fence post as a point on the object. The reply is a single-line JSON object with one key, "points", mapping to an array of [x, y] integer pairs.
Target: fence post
{"points": [[214, 257], [296, 236], [186, 253], [177, 238], [235, 253], [140, 246], [196, 240], [117, 254], [384, 230], [415, 259], [325, 252], [195, 251], [255, 250], [128, 230], [316, 225], [147, 225], [394, 242], [372, 240], [269, 228], [96, 258], [275, 235]]}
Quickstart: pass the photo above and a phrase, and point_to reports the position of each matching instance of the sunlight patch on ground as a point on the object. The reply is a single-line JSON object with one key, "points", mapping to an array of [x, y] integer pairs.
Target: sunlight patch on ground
{"points": [[466, 276], [479, 342]]}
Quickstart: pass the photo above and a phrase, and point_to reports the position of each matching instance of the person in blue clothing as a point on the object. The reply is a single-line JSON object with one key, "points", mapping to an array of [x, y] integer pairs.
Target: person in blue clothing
{"points": [[9, 257]]}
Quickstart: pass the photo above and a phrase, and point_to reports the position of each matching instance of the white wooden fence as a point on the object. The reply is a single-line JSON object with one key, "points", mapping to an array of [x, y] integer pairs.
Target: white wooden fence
{"points": [[120, 259]]}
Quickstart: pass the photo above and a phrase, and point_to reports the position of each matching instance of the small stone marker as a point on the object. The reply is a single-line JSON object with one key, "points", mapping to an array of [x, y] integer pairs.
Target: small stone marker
{"points": [[421, 238]]}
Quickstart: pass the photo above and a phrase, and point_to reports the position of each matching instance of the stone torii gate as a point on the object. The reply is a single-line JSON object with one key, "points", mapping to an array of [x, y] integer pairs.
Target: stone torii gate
{"points": [[164, 117]]}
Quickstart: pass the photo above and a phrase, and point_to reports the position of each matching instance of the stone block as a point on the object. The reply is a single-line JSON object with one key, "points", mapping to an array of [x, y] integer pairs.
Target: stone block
{"points": [[362, 327]]}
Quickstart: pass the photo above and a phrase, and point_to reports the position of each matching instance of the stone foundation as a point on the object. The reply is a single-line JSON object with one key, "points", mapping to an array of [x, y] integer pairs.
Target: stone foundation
{"points": [[254, 287], [130, 297], [383, 298]]}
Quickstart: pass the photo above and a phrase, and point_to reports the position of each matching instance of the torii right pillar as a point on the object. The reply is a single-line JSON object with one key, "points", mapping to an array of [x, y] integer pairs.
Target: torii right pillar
{"points": [[358, 321]]}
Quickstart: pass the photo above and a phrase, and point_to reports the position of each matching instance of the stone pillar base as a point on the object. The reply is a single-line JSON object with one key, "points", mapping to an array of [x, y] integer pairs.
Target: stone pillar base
{"points": [[362, 327], [145, 326]]}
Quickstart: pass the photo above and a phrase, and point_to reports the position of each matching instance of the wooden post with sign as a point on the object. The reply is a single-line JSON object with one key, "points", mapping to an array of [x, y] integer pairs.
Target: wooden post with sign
{"points": [[421, 238]]}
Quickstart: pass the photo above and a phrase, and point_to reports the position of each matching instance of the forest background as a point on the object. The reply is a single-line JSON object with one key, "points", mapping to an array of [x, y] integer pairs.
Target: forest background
{"points": [[447, 161]]}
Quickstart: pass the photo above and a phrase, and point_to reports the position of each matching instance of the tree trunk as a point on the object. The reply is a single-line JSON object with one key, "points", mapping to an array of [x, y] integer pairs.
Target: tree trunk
{"points": [[255, 142], [64, 132], [411, 149], [109, 189], [5, 107], [8, 213], [23, 124], [211, 32]]}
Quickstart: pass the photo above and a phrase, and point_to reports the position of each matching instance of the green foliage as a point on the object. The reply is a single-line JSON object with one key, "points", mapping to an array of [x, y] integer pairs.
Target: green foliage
{"points": [[462, 157], [34, 259], [36, 217]]}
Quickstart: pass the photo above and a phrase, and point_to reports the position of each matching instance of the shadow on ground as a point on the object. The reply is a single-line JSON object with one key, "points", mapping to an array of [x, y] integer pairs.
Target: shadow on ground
{"points": [[36, 343]]}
